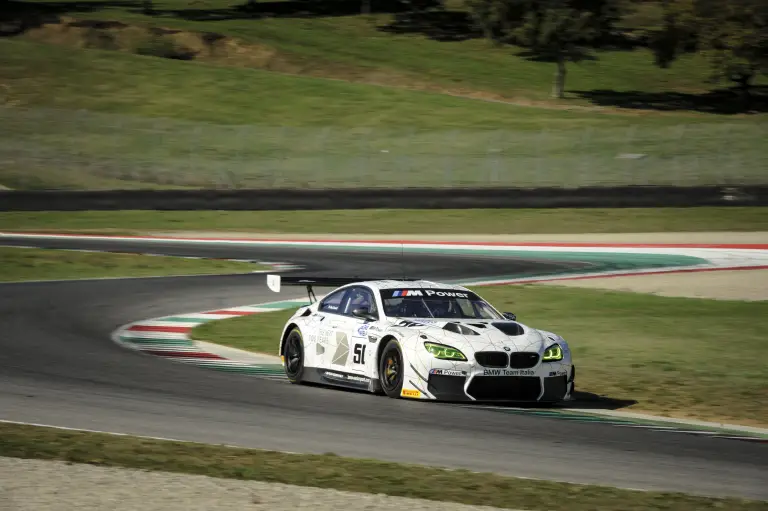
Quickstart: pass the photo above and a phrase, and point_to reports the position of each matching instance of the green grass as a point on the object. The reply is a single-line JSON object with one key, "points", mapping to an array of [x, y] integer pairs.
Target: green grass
{"points": [[356, 47], [19, 264], [680, 357], [399, 221], [46, 75], [239, 332], [234, 127], [334, 472]]}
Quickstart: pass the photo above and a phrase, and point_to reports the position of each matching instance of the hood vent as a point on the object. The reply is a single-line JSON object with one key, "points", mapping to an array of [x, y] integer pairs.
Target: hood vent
{"points": [[458, 328], [509, 328]]}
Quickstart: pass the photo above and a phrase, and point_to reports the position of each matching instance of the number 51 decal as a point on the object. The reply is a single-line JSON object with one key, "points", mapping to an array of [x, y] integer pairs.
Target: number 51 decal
{"points": [[359, 357]]}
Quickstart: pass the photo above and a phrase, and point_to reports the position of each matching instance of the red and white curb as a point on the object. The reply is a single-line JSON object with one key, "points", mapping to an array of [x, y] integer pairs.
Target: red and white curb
{"points": [[169, 337], [703, 257]]}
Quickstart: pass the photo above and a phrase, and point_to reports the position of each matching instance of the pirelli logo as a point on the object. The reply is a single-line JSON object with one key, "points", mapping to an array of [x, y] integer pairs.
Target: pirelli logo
{"points": [[410, 393]]}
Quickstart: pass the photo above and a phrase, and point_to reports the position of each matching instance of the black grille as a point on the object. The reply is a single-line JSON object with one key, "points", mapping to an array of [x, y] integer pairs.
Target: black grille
{"points": [[492, 358], [505, 388], [523, 360]]}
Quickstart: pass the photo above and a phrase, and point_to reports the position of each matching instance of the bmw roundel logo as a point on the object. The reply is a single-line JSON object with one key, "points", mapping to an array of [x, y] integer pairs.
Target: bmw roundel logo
{"points": [[506, 348]]}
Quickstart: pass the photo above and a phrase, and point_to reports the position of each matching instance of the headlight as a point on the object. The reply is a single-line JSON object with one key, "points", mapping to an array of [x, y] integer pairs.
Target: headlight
{"points": [[553, 353], [444, 352]]}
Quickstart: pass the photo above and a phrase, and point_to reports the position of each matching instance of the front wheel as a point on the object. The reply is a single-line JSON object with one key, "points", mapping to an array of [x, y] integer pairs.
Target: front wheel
{"points": [[391, 370], [293, 357]]}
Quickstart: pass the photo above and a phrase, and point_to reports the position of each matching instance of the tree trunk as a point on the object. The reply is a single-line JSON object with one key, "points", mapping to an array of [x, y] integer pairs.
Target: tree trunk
{"points": [[558, 89], [745, 89]]}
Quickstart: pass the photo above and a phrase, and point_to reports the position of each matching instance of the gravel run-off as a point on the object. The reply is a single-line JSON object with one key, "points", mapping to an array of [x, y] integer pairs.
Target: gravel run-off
{"points": [[37, 485]]}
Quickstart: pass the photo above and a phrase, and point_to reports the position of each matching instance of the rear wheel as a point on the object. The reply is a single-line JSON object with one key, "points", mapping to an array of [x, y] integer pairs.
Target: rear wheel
{"points": [[293, 356], [391, 370]]}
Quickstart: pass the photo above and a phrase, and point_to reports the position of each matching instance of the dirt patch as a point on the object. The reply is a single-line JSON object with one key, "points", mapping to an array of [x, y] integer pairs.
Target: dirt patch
{"points": [[209, 47], [747, 285], [153, 41], [218, 49]]}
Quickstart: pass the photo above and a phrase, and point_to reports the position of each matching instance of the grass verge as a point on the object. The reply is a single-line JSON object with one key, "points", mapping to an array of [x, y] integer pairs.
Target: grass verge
{"points": [[36, 74], [18, 264], [330, 471], [677, 357], [398, 221], [237, 128]]}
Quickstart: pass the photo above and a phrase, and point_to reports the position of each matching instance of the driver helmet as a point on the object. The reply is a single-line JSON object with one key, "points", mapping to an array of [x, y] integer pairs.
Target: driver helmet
{"points": [[441, 308], [360, 301]]}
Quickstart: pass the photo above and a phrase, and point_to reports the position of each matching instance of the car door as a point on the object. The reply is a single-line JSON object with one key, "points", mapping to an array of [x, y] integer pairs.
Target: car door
{"points": [[362, 352], [333, 334]]}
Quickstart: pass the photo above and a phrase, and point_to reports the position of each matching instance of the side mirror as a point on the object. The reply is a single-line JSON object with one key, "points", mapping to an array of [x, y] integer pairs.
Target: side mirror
{"points": [[510, 316], [364, 314]]}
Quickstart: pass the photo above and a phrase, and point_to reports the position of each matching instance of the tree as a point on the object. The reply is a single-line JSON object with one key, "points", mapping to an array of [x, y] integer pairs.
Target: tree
{"points": [[559, 31], [498, 19], [731, 34], [555, 31], [606, 13]]}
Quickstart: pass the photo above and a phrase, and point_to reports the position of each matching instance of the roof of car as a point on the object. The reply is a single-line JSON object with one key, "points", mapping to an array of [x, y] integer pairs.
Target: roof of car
{"points": [[412, 284]]}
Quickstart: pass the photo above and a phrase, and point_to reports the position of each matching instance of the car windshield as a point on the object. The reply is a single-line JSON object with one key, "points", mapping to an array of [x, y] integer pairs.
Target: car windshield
{"points": [[436, 303]]}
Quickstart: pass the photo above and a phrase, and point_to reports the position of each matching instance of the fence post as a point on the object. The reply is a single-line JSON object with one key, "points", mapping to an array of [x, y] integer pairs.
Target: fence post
{"points": [[494, 153], [584, 158], [449, 158], [319, 173], [540, 141], [629, 137], [680, 173]]}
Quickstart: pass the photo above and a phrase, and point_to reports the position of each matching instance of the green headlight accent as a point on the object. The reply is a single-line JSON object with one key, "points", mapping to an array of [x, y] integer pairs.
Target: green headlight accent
{"points": [[553, 353], [444, 352]]}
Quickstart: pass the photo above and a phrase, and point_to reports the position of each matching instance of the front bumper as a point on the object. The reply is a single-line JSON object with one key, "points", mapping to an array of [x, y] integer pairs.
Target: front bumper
{"points": [[538, 385]]}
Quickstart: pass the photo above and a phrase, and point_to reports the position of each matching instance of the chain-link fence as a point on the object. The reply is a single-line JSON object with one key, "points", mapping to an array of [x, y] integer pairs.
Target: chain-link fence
{"points": [[77, 149]]}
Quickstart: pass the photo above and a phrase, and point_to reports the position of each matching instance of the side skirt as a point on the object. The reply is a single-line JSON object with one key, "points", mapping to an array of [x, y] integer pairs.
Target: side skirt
{"points": [[339, 379]]}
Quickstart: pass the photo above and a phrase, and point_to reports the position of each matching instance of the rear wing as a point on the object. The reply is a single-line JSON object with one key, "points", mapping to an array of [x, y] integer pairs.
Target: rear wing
{"points": [[274, 282]]}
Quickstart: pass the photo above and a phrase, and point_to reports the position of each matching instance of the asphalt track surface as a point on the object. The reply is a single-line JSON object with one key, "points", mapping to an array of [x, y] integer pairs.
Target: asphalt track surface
{"points": [[58, 366]]}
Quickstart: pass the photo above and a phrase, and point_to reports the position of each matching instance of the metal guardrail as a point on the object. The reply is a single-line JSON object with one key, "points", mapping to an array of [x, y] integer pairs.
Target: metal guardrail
{"points": [[410, 198]]}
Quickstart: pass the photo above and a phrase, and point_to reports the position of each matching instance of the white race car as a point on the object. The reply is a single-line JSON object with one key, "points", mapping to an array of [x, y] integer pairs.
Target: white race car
{"points": [[421, 340]]}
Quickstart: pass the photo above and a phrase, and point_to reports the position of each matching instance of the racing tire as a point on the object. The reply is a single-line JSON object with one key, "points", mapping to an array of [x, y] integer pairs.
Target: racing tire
{"points": [[391, 370], [293, 356]]}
